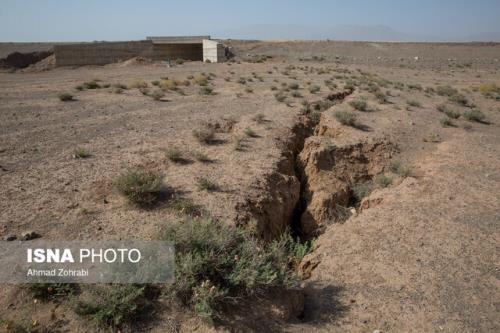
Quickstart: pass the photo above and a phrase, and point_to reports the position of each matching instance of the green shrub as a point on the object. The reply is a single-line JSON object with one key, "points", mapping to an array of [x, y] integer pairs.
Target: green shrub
{"points": [[186, 207], [314, 89], [446, 91], [206, 184], [383, 180], [139, 84], [113, 306], [474, 115], [259, 118], [216, 262], [250, 133], [201, 79], [446, 122], [157, 95], [65, 97], [414, 103], [400, 169], [459, 99], [205, 134], [361, 190], [91, 85], [175, 155], [359, 104], [81, 153], [346, 118], [206, 91], [139, 186], [50, 291]]}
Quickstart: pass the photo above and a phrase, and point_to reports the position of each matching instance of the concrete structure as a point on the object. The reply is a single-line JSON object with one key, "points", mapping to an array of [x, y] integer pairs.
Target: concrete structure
{"points": [[213, 51], [196, 48]]}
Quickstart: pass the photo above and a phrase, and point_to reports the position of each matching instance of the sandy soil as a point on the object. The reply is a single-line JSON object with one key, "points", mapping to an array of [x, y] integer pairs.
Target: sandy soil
{"points": [[419, 255]]}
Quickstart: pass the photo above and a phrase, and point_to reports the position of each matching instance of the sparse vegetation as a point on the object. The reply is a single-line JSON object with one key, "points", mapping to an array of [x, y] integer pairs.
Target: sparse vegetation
{"points": [[81, 153], [474, 115], [215, 261], [359, 105], [346, 118], [201, 157], [91, 85], [414, 103], [205, 134], [113, 306], [186, 206], [201, 79], [314, 89], [250, 133], [140, 186], [206, 91], [51, 291], [446, 122], [65, 97], [138, 84], [400, 169], [205, 184], [383, 180], [361, 190], [157, 95], [175, 155], [259, 118]]}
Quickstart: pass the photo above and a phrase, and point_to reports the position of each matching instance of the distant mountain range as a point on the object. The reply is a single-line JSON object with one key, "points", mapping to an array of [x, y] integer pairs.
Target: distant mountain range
{"points": [[343, 32]]}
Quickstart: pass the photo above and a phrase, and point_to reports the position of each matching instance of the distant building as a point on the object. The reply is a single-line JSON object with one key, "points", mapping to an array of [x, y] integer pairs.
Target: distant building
{"points": [[196, 48]]}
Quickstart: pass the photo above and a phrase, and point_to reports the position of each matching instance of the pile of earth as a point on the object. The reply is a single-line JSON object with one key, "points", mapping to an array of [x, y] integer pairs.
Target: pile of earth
{"points": [[23, 60]]}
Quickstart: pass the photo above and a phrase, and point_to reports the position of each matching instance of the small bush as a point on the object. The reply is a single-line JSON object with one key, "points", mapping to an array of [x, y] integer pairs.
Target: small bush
{"points": [[383, 180], [273, 88], [241, 80], [91, 85], [206, 91], [446, 91], [139, 186], [414, 103], [201, 157], [81, 153], [50, 291], [250, 133], [216, 262], [398, 168], [489, 88], [359, 105], [459, 99], [201, 79], [65, 97], [381, 97], [179, 61], [206, 184], [294, 86], [474, 115], [155, 83], [280, 96], [169, 84], [139, 84], [144, 91], [79, 87], [361, 190], [248, 90], [314, 89], [346, 118], [120, 86], [259, 118], [175, 155], [446, 122], [157, 95], [113, 306], [204, 135], [186, 207]]}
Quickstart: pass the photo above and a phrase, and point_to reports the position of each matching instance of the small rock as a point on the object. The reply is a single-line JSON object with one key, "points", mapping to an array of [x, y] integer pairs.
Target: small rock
{"points": [[9, 238], [29, 235]]}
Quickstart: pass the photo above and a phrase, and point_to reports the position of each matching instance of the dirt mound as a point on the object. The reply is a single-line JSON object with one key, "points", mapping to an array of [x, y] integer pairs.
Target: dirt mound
{"points": [[43, 65], [23, 60]]}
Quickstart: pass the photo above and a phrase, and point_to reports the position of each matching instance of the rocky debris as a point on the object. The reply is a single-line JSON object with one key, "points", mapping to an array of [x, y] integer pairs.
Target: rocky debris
{"points": [[30, 235], [43, 65], [9, 237]]}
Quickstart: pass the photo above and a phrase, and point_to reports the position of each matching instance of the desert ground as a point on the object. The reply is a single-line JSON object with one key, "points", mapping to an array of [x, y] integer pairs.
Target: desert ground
{"points": [[385, 157]]}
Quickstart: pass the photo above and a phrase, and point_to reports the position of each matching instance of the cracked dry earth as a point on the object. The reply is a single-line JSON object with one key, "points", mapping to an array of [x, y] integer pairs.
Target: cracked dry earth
{"points": [[417, 255]]}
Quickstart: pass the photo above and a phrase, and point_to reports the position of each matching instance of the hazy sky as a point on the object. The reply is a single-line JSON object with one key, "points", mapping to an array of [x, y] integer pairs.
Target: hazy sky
{"points": [[78, 20]]}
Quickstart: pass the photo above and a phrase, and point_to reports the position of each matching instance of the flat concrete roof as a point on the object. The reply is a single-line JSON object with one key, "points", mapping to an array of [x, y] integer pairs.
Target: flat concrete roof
{"points": [[177, 39]]}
